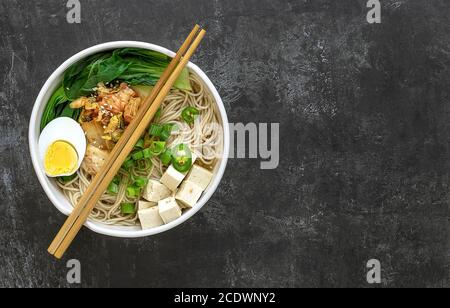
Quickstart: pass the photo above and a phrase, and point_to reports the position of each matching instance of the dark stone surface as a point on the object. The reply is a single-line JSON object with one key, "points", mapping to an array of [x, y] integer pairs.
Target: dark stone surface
{"points": [[365, 144]]}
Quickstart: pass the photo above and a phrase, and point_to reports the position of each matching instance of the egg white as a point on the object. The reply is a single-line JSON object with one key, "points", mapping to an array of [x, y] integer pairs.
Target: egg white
{"points": [[63, 129]]}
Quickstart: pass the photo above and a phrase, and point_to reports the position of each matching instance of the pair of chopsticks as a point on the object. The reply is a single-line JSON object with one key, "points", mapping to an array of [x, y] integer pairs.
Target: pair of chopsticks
{"points": [[125, 145]]}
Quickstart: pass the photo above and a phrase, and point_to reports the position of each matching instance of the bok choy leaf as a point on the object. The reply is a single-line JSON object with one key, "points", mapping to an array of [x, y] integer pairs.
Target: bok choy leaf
{"points": [[131, 65], [58, 106]]}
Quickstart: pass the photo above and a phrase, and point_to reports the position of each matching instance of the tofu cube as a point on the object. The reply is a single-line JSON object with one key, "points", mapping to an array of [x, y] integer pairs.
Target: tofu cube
{"points": [[200, 176], [188, 194], [143, 205], [150, 218], [155, 191], [169, 210], [172, 178]]}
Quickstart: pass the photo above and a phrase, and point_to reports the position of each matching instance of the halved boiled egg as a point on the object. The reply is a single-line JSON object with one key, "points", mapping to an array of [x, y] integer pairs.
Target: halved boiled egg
{"points": [[62, 146]]}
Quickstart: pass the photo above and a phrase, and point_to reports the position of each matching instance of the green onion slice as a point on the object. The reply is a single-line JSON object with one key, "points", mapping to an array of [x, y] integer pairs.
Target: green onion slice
{"points": [[133, 191], [155, 130], [113, 188], [140, 182], [138, 155], [147, 153], [166, 157], [139, 144], [128, 164], [157, 147], [128, 208], [162, 132], [166, 132], [158, 114]]}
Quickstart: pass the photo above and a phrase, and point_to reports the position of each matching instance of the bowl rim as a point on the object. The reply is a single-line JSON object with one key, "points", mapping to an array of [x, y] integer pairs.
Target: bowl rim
{"points": [[103, 228]]}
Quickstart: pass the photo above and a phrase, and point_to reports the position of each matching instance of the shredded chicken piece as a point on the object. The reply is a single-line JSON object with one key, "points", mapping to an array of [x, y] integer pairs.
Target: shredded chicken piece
{"points": [[94, 159]]}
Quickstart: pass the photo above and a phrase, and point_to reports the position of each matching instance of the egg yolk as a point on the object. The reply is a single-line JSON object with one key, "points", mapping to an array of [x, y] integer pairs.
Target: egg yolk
{"points": [[61, 158]]}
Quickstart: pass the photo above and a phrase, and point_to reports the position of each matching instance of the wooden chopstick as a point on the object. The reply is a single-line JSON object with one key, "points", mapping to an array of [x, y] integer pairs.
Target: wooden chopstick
{"points": [[122, 149]]}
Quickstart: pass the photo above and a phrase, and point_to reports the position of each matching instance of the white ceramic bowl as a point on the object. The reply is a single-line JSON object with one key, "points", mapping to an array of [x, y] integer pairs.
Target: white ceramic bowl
{"points": [[53, 191]]}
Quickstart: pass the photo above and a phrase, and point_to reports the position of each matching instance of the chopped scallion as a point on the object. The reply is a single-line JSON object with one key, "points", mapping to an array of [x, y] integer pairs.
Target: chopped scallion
{"points": [[140, 182], [158, 114], [138, 155], [157, 147], [147, 153], [155, 130], [128, 164], [139, 144], [133, 192], [166, 132], [128, 208], [166, 157], [113, 188]]}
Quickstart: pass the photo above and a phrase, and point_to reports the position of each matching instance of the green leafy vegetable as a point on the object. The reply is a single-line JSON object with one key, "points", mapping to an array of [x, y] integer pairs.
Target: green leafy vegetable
{"points": [[70, 113], [131, 65], [81, 78], [58, 106], [67, 179]]}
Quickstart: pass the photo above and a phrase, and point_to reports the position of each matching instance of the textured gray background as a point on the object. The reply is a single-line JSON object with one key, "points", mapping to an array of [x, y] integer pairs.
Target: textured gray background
{"points": [[365, 145]]}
